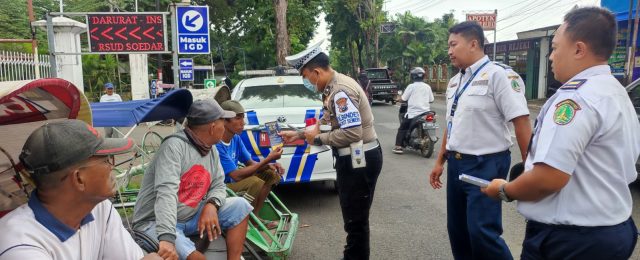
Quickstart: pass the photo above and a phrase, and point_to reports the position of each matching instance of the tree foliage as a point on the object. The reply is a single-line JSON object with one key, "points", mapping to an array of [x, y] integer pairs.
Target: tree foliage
{"points": [[249, 26]]}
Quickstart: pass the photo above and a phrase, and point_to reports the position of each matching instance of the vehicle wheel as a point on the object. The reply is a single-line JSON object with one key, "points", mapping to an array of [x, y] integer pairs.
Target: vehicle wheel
{"points": [[427, 146], [393, 102], [150, 144]]}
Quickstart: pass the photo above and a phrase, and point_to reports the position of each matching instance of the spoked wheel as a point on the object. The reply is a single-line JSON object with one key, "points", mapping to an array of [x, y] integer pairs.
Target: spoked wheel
{"points": [[151, 143], [426, 149]]}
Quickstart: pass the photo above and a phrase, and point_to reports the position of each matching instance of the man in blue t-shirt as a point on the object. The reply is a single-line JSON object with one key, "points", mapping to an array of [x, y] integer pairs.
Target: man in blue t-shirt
{"points": [[255, 179]]}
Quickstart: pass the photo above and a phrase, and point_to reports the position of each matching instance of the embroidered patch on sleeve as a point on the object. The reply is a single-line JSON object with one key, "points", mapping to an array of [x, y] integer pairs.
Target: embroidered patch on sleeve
{"points": [[565, 112], [574, 84], [346, 112], [515, 85]]}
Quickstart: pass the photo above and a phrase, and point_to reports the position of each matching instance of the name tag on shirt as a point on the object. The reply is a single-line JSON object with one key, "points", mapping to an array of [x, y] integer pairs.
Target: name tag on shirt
{"points": [[483, 82]]}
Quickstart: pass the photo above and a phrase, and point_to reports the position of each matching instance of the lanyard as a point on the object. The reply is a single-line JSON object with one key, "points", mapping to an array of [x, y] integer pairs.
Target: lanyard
{"points": [[456, 97], [459, 92]]}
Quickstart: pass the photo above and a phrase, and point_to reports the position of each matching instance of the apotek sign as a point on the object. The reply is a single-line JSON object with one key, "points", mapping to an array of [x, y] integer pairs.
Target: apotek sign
{"points": [[127, 32], [487, 21]]}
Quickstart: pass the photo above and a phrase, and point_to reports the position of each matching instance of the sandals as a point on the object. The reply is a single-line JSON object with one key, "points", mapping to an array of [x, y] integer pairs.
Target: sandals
{"points": [[270, 224]]}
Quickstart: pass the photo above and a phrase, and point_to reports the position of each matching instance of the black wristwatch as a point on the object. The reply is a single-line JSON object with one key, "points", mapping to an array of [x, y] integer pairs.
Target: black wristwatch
{"points": [[503, 194], [317, 140], [215, 202]]}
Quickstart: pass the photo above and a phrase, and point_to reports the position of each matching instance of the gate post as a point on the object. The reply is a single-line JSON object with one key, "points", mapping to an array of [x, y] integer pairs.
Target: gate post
{"points": [[66, 39]]}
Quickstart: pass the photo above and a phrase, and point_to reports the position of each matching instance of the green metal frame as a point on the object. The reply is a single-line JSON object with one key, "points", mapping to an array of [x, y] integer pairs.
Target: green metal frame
{"points": [[276, 245]]}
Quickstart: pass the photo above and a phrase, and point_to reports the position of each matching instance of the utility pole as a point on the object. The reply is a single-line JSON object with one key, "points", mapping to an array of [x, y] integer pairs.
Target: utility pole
{"points": [[627, 57], [174, 46], [159, 56], [34, 42]]}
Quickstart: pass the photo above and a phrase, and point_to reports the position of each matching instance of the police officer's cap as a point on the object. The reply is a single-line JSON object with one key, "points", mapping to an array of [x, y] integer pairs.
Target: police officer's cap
{"points": [[300, 59]]}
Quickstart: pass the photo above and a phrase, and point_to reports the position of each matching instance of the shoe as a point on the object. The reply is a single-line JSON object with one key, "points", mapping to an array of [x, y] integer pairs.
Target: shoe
{"points": [[397, 150], [270, 224]]}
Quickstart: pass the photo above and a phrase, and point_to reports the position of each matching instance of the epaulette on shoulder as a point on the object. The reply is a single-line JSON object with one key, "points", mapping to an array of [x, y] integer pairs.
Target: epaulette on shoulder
{"points": [[502, 65], [574, 84]]}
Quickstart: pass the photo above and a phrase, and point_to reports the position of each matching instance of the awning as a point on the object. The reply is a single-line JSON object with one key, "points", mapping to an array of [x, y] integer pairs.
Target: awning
{"points": [[172, 105], [42, 99], [619, 8]]}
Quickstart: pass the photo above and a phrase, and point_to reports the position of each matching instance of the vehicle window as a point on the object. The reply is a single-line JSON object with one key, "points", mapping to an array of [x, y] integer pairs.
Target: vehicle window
{"points": [[274, 96], [634, 94], [377, 74]]}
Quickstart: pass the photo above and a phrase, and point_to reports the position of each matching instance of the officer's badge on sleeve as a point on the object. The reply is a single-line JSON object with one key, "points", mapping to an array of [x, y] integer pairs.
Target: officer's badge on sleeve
{"points": [[346, 112], [565, 112], [515, 85]]}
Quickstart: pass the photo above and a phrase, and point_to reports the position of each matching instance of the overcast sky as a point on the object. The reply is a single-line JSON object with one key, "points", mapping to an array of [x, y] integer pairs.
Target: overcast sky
{"points": [[513, 15]]}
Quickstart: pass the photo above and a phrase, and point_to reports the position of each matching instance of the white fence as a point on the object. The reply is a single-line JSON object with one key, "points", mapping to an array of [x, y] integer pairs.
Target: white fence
{"points": [[22, 66]]}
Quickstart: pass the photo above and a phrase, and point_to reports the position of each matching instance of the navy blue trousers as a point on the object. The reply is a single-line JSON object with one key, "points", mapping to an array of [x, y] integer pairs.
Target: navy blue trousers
{"points": [[544, 241], [474, 221]]}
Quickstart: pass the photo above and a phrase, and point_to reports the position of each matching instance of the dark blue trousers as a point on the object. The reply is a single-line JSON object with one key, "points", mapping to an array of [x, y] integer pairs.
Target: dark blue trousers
{"points": [[474, 221], [544, 241]]}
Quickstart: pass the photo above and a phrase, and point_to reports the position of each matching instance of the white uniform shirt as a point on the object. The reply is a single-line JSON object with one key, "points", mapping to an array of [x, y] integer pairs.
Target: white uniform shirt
{"points": [[111, 98], [479, 125], [418, 96], [31, 232], [517, 84], [589, 131]]}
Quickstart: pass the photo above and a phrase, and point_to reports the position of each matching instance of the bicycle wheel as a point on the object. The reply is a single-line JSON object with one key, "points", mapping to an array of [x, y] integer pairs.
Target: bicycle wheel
{"points": [[150, 144]]}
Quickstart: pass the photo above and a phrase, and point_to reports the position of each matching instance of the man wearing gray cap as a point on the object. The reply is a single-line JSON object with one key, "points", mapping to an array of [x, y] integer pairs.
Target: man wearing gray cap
{"points": [[183, 192], [69, 216], [353, 139]]}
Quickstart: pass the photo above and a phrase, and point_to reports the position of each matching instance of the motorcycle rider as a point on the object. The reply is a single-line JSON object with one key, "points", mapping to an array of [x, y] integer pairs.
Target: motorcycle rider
{"points": [[418, 96]]}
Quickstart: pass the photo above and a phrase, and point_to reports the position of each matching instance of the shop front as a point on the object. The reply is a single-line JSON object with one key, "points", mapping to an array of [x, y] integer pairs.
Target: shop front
{"points": [[523, 56]]}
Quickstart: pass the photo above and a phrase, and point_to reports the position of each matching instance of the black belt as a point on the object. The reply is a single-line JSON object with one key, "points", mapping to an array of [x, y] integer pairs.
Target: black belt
{"points": [[537, 224], [464, 156]]}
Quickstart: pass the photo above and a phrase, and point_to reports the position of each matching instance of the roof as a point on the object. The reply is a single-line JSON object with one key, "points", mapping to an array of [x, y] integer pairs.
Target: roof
{"points": [[174, 104], [538, 32], [271, 80]]}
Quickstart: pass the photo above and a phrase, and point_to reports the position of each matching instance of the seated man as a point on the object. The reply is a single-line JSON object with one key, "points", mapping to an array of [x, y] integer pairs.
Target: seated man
{"points": [[68, 215], [255, 179], [183, 192]]}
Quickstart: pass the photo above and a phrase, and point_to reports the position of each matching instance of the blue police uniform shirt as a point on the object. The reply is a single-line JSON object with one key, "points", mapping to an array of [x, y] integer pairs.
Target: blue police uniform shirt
{"points": [[588, 130], [479, 125], [231, 154]]}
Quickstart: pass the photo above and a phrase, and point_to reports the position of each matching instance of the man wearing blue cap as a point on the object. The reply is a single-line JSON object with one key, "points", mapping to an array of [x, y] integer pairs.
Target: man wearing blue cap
{"points": [[110, 96]]}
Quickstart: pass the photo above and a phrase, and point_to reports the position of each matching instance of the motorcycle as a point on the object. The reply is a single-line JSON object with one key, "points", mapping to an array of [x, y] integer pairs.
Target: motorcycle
{"points": [[421, 135]]}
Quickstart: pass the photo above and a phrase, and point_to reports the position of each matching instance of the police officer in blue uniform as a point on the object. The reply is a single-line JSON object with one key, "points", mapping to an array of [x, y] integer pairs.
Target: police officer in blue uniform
{"points": [[481, 100], [574, 191]]}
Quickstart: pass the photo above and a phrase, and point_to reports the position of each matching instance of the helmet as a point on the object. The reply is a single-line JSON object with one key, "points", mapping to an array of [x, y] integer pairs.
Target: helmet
{"points": [[417, 74]]}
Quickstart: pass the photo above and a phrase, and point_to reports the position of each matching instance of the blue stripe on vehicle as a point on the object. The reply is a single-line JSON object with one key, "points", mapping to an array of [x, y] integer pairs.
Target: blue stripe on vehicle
{"points": [[308, 167], [247, 144], [252, 117], [295, 163], [311, 113]]}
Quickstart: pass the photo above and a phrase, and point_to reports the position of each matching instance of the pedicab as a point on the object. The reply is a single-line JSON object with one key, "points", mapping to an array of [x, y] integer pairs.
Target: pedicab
{"points": [[175, 104], [25, 105]]}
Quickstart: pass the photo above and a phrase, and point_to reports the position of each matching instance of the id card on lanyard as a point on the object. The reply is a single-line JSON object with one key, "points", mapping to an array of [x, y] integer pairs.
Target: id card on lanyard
{"points": [[456, 97]]}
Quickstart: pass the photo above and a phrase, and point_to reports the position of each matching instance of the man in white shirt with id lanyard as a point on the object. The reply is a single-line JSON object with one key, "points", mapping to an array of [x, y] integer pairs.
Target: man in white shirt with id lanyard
{"points": [[480, 103]]}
